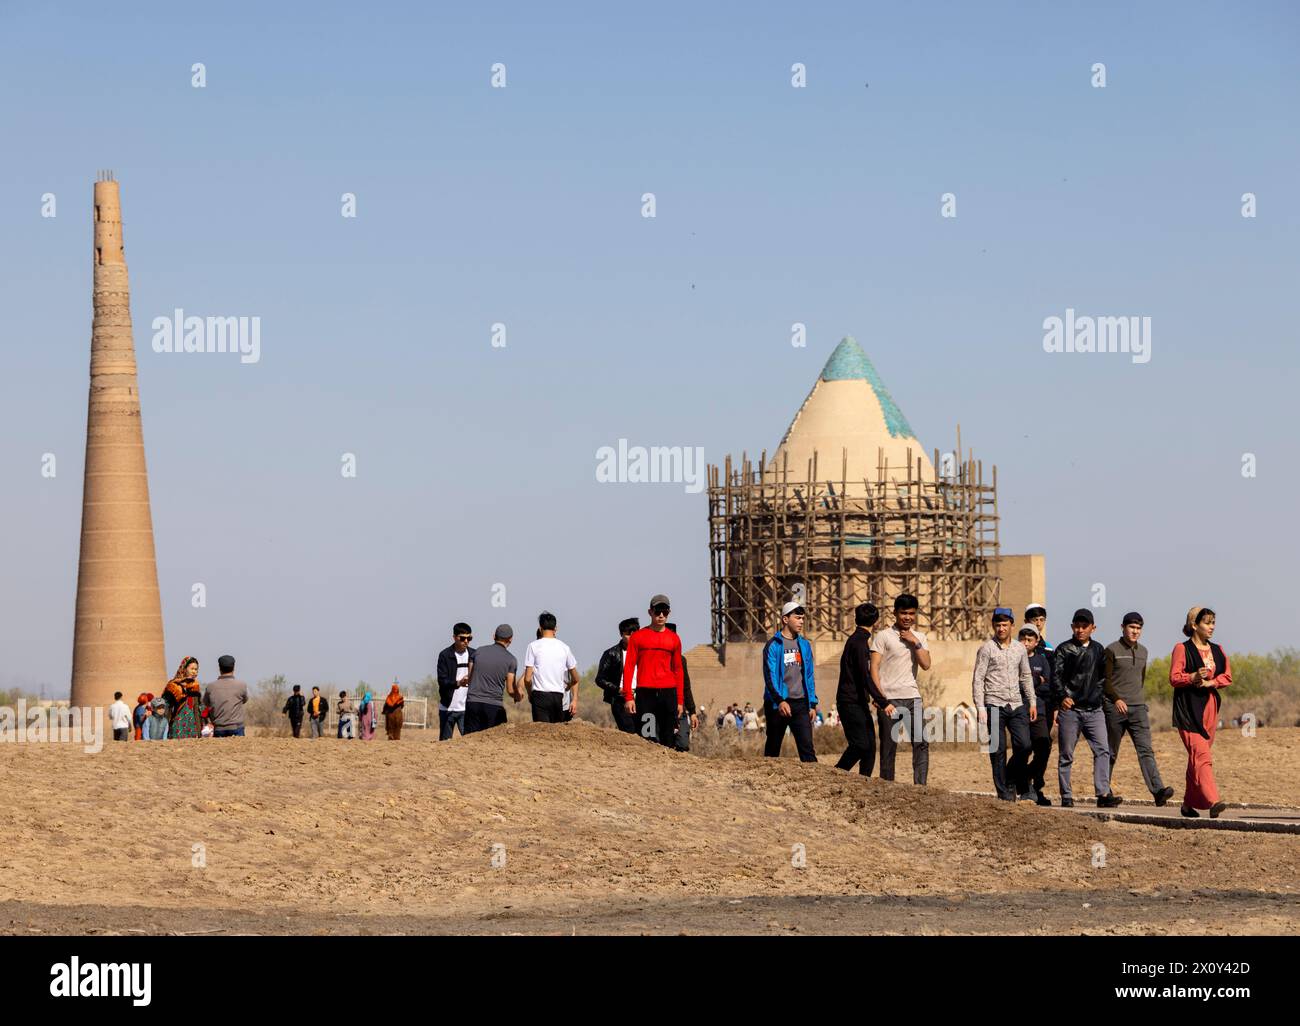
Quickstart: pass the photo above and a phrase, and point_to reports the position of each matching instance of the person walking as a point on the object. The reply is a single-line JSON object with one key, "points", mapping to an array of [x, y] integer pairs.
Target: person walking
{"points": [[789, 690], [119, 717], [318, 707], [182, 693], [1198, 669], [394, 705], [898, 653], [1036, 617], [654, 661], [1078, 670], [366, 717], [226, 697], [492, 677], [293, 707], [1002, 691], [609, 676], [155, 724], [856, 692], [347, 718], [549, 671], [1124, 703], [454, 663], [1040, 727]]}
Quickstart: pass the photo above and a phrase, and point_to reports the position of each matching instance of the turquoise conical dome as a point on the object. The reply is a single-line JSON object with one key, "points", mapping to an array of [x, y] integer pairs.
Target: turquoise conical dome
{"points": [[849, 408]]}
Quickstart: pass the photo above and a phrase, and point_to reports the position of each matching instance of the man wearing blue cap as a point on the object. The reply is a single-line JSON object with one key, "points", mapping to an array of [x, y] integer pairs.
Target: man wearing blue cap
{"points": [[1003, 691]]}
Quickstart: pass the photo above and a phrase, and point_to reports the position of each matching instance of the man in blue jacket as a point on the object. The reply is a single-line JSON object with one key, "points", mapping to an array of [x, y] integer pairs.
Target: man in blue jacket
{"points": [[789, 695]]}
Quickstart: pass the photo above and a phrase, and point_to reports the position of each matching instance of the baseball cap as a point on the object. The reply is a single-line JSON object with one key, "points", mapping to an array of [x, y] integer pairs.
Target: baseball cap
{"points": [[791, 607], [1082, 616], [1133, 618], [659, 600], [504, 631], [1002, 613]]}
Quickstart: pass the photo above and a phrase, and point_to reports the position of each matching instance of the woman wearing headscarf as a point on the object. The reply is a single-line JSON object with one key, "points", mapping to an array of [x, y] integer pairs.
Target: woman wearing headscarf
{"points": [[1198, 668], [366, 714], [183, 692], [393, 713], [143, 706]]}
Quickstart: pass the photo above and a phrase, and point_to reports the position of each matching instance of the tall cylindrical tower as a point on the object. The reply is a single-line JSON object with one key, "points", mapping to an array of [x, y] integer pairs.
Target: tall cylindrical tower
{"points": [[118, 640]]}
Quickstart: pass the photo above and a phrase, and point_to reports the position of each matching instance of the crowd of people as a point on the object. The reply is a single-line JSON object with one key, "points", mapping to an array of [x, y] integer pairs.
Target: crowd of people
{"points": [[1022, 690]]}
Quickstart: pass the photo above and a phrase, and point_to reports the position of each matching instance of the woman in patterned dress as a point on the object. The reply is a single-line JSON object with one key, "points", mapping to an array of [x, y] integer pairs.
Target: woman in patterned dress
{"points": [[183, 693]]}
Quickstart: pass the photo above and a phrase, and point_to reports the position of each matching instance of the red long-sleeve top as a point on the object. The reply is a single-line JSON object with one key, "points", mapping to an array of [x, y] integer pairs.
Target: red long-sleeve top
{"points": [[1180, 678], [656, 656]]}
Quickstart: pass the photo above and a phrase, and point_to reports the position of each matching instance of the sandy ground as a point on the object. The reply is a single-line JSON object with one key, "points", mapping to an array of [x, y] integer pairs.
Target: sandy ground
{"points": [[600, 832]]}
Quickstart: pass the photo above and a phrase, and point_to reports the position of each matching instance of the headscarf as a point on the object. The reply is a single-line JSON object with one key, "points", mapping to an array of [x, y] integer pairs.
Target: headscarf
{"points": [[180, 686], [394, 696], [1192, 614]]}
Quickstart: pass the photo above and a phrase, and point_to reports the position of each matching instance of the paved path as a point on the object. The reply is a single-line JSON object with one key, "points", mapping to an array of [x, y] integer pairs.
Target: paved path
{"points": [[1276, 819]]}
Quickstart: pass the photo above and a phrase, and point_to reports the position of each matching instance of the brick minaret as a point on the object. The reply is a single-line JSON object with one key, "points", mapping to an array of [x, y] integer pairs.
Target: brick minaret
{"points": [[118, 640]]}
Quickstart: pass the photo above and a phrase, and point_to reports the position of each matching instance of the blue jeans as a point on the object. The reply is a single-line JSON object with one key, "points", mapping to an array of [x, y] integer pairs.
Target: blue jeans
{"points": [[230, 732], [449, 722]]}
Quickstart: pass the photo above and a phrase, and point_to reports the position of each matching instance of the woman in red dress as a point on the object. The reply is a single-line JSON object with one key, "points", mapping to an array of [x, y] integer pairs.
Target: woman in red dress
{"points": [[1198, 669]]}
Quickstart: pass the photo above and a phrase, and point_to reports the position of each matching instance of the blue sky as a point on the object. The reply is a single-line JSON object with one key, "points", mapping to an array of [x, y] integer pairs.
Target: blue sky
{"points": [[775, 205]]}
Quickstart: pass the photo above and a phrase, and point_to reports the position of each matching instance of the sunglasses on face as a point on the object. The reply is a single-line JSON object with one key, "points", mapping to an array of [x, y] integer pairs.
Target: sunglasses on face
{"points": [[464, 637], [660, 610]]}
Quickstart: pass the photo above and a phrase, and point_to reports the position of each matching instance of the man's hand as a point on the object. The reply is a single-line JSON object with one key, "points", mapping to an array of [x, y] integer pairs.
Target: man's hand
{"points": [[680, 709], [889, 710], [984, 715], [1067, 702], [812, 714], [1122, 706], [1033, 713], [695, 722], [630, 705], [784, 710], [908, 638]]}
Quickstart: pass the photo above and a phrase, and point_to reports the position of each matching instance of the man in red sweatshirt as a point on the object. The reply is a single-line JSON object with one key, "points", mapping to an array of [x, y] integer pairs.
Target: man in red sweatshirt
{"points": [[654, 654]]}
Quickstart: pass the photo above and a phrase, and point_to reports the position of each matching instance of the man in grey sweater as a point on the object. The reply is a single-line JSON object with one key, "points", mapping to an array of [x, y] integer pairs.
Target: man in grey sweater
{"points": [[1125, 704], [1002, 689], [226, 697]]}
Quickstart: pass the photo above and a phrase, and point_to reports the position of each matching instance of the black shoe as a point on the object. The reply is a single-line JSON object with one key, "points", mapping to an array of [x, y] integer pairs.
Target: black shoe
{"points": [[1024, 796], [1067, 803], [1164, 796], [1109, 801], [1216, 810], [1043, 799], [1190, 813]]}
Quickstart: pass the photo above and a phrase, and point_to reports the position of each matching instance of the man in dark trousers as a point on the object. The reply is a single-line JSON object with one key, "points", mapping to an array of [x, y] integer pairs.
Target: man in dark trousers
{"points": [[609, 676], [688, 720], [654, 657], [493, 677], [789, 692], [1040, 728], [1002, 691], [226, 697], [857, 690], [454, 663], [1125, 704], [1078, 675], [293, 707]]}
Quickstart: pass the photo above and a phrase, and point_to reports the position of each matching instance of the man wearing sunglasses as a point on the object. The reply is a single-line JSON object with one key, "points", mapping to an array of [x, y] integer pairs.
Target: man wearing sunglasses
{"points": [[654, 656], [454, 663]]}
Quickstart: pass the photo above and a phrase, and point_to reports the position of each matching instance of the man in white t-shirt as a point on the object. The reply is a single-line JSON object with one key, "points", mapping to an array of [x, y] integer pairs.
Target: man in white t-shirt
{"points": [[119, 715], [897, 652], [549, 671]]}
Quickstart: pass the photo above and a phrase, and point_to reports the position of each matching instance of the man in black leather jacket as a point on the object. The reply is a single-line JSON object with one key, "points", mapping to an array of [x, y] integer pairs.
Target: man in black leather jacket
{"points": [[609, 676], [1078, 677]]}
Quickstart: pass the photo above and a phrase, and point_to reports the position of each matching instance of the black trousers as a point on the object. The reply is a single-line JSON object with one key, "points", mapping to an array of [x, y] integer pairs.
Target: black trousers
{"points": [[548, 706], [800, 726], [1009, 779], [483, 716], [860, 732], [907, 720], [656, 715], [623, 720], [1040, 741]]}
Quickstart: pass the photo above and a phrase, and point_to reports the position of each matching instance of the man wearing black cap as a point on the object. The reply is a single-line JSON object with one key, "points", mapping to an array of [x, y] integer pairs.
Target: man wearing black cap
{"points": [[1078, 672], [226, 697], [654, 657], [857, 690], [1125, 704]]}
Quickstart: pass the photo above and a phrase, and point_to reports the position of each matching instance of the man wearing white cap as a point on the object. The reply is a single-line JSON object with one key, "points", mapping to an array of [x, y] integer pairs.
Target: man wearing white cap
{"points": [[789, 693]]}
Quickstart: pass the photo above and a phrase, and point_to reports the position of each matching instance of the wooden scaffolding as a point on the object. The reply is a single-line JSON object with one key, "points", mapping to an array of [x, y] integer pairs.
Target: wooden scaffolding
{"points": [[835, 543]]}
